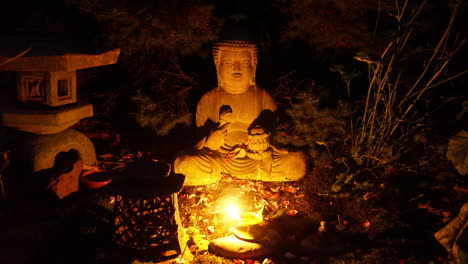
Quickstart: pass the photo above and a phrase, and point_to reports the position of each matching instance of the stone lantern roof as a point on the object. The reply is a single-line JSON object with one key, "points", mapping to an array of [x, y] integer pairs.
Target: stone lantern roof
{"points": [[52, 55], [46, 76]]}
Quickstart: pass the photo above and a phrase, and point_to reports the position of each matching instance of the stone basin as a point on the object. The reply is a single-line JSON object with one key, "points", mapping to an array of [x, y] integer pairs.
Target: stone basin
{"points": [[233, 247]]}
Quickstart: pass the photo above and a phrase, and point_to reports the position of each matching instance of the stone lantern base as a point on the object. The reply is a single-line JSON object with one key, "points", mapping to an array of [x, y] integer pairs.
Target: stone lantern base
{"points": [[38, 152]]}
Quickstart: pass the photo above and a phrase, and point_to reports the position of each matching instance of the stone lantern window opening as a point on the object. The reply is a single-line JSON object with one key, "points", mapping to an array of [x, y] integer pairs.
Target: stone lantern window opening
{"points": [[34, 87], [48, 88], [63, 90]]}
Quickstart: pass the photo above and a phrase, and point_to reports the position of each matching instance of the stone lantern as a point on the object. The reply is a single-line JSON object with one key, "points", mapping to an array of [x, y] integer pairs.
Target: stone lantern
{"points": [[45, 104]]}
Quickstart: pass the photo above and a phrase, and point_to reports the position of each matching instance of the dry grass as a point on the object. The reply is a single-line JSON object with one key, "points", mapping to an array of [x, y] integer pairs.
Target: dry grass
{"points": [[389, 111]]}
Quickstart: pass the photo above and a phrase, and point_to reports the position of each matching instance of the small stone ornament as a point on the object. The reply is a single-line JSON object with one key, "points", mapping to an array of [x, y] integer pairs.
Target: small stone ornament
{"points": [[340, 226], [322, 227]]}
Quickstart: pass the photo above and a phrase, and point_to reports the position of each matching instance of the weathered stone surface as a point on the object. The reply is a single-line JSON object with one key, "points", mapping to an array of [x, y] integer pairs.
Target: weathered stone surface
{"points": [[52, 55], [45, 121], [234, 121], [39, 151], [233, 247]]}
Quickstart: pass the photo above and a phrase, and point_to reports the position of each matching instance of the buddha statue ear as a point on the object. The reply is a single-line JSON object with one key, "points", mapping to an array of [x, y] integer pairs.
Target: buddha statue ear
{"points": [[216, 61], [220, 81], [252, 81], [254, 66]]}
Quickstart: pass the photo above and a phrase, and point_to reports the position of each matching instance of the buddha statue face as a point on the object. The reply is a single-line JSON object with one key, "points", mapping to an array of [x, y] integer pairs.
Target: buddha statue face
{"points": [[235, 65]]}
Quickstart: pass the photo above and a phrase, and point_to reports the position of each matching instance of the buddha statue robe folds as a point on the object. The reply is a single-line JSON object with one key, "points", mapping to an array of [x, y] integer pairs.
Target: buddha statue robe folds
{"points": [[234, 121]]}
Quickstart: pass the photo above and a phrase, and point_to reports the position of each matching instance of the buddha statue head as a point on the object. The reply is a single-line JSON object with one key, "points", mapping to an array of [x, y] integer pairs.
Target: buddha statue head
{"points": [[236, 62]]}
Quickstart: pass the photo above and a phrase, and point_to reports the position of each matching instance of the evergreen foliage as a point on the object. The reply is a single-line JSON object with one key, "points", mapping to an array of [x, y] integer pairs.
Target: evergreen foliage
{"points": [[310, 126], [333, 25], [154, 36], [152, 114], [174, 28]]}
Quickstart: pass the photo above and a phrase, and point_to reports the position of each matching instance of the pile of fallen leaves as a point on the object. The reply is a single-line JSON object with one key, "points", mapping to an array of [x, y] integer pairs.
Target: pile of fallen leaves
{"points": [[202, 208]]}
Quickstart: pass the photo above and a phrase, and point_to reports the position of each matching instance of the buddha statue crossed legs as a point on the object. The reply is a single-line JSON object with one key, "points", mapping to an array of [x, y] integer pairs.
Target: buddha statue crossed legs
{"points": [[234, 121]]}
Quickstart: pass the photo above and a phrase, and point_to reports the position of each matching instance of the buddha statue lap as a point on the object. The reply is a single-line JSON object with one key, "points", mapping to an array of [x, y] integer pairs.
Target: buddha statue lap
{"points": [[234, 122]]}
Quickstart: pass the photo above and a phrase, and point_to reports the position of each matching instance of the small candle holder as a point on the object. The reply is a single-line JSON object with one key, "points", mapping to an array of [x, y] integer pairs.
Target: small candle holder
{"points": [[249, 227]]}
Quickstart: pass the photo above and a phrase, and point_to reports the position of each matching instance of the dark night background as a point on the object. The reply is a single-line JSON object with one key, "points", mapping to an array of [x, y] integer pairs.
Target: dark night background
{"points": [[288, 41], [166, 60]]}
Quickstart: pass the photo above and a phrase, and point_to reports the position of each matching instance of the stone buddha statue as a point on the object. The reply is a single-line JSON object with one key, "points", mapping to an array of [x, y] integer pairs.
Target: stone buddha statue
{"points": [[234, 122]]}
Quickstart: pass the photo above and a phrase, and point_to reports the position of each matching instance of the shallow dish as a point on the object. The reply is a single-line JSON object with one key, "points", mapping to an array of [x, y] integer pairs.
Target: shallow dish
{"points": [[94, 179]]}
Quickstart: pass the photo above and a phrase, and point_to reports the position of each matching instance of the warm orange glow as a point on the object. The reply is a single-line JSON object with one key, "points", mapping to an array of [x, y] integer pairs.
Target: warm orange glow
{"points": [[232, 211]]}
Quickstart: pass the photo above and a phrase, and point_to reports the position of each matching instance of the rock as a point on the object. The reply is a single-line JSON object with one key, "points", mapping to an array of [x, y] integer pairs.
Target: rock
{"points": [[65, 176], [460, 246], [321, 243], [233, 247], [62, 179], [454, 236], [66, 183]]}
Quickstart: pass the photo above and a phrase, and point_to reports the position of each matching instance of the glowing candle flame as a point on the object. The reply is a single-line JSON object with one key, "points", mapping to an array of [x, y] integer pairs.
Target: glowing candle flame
{"points": [[232, 211]]}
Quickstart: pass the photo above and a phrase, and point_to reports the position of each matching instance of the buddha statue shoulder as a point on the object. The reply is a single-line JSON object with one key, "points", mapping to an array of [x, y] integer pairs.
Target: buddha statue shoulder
{"points": [[234, 122]]}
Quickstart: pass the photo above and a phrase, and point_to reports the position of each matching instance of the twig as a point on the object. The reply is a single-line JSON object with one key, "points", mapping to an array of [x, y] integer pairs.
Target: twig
{"points": [[15, 57]]}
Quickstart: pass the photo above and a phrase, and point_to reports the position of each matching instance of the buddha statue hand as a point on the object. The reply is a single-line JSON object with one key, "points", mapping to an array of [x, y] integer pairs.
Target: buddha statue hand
{"points": [[216, 137], [257, 155], [258, 140], [225, 114]]}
